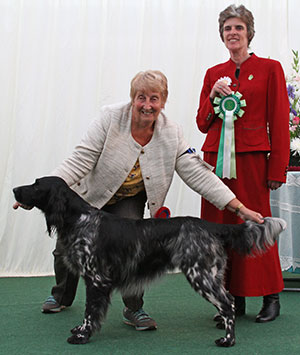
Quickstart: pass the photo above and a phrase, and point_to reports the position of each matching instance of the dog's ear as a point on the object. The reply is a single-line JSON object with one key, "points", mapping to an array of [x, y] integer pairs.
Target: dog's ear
{"points": [[56, 209]]}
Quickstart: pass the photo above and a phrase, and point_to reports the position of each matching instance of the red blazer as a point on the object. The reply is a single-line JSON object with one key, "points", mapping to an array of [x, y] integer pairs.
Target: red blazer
{"points": [[262, 83]]}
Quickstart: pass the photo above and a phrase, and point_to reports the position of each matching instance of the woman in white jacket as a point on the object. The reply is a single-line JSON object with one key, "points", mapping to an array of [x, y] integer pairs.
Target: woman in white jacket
{"points": [[128, 157]]}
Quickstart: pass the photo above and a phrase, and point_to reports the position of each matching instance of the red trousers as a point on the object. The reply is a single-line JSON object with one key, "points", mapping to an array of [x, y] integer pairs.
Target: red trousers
{"points": [[247, 275]]}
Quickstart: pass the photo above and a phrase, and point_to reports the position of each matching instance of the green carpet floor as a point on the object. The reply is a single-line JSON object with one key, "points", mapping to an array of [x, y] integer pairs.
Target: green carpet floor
{"points": [[184, 320]]}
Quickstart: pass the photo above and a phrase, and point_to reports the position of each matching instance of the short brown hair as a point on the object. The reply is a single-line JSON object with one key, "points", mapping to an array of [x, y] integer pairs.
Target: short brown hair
{"points": [[149, 80], [240, 12]]}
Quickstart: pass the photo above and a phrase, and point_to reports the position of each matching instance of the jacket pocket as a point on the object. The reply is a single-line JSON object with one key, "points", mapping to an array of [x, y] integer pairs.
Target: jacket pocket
{"points": [[253, 136]]}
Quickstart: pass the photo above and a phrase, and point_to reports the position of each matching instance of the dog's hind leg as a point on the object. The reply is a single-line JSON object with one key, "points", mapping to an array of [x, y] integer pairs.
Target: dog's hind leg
{"points": [[225, 305], [212, 289], [97, 301]]}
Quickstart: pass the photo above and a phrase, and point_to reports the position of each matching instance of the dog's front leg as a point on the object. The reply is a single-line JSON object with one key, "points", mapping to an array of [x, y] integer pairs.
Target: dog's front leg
{"points": [[97, 302]]}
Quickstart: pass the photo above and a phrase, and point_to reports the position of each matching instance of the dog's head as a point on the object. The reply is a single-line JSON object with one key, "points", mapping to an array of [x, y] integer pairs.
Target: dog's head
{"points": [[40, 193], [49, 194]]}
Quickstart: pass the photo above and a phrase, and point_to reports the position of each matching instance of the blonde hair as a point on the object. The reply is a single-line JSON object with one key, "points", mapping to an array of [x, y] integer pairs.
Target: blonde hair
{"points": [[149, 80], [240, 12]]}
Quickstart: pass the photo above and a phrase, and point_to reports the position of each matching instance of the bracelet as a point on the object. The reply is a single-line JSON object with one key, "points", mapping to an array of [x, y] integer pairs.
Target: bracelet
{"points": [[237, 210]]}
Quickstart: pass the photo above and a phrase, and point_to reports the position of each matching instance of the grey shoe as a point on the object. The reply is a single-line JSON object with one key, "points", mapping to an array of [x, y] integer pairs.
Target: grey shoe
{"points": [[51, 306], [139, 319]]}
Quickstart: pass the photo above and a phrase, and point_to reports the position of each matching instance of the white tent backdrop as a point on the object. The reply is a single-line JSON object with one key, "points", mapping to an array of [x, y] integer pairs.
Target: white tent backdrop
{"points": [[61, 60]]}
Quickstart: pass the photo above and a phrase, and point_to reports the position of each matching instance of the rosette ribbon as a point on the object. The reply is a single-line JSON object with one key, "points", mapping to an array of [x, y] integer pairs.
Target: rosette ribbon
{"points": [[163, 212], [228, 108]]}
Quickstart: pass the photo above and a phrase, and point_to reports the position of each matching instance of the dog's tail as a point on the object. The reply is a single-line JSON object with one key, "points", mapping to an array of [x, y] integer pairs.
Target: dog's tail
{"points": [[255, 237]]}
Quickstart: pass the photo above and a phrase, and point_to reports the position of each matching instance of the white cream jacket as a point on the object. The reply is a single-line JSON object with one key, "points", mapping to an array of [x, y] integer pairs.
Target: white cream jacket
{"points": [[106, 154]]}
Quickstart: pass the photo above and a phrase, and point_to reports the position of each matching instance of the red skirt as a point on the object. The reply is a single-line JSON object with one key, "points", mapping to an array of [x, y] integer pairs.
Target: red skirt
{"points": [[257, 275]]}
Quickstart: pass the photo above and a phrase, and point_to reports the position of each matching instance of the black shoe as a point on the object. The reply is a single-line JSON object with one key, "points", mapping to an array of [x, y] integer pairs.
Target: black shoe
{"points": [[240, 306], [270, 309]]}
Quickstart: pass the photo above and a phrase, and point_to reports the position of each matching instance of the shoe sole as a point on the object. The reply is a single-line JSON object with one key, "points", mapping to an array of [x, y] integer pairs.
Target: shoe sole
{"points": [[264, 321], [53, 310], [128, 322]]}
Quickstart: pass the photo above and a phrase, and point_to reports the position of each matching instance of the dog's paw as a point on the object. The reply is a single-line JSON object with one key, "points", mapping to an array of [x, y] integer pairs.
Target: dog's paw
{"points": [[220, 325], [76, 330], [224, 342], [79, 338]]}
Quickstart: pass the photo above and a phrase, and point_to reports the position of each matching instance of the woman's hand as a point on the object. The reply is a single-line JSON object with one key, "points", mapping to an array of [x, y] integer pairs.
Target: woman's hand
{"points": [[220, 88], [246, 214], [274, 185], [243, 212]]}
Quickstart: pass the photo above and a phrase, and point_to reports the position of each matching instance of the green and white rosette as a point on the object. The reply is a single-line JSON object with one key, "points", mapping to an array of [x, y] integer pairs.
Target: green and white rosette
{"points": [[229, 107]]}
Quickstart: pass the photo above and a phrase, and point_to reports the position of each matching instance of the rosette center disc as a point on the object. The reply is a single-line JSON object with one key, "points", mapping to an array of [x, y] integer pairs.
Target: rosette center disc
{"points": [[229, 104]]}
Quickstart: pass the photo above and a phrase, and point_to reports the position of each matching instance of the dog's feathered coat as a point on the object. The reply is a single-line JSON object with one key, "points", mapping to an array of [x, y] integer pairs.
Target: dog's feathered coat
{"points": [[117, 253]]}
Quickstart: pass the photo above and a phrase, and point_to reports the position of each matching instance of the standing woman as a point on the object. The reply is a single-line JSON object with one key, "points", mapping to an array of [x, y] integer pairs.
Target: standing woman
{"points": [[250, 152]]}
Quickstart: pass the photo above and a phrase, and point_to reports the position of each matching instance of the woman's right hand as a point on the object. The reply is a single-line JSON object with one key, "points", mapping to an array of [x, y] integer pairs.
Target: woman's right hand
{"points": [[247, 214], [243, 212], [220, 88]]}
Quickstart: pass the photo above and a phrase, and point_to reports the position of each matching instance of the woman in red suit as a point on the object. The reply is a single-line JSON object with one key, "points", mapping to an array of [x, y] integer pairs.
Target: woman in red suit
{"points": [[259, 143]]}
